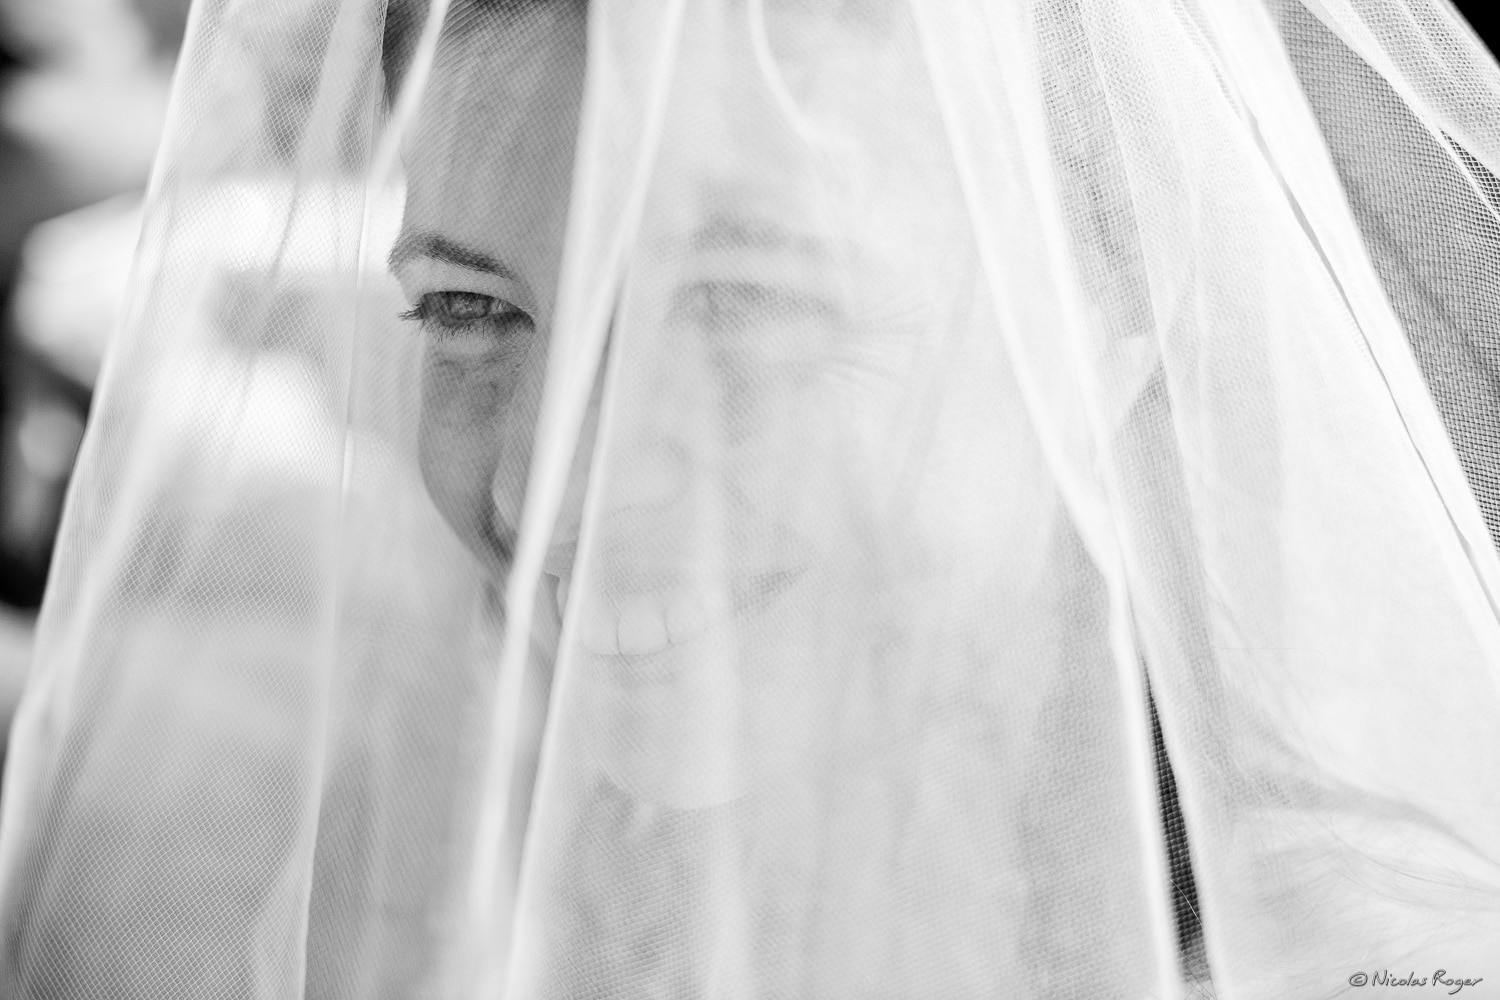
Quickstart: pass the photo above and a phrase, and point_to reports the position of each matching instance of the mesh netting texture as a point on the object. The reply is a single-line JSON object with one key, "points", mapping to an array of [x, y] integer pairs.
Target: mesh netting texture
{"points": [[786, 499]]}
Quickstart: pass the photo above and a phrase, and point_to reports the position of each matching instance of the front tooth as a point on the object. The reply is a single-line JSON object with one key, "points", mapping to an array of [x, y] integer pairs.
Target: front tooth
{"points": [[642, 625]]}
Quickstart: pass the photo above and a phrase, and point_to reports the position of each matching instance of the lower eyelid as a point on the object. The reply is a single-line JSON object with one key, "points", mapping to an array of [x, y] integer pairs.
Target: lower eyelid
{"points": [[465, 348], [489, 334]]}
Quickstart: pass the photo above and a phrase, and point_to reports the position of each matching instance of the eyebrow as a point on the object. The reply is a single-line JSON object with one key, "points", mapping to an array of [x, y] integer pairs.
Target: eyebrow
{"points": [[412, 245]]}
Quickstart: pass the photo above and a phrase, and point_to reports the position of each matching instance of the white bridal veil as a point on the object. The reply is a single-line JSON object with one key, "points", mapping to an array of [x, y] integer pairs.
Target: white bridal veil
{"points": [[786, 499]]}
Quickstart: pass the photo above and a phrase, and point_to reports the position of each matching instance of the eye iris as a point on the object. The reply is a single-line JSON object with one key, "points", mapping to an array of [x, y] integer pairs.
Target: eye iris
{"points": [[464, 306]]}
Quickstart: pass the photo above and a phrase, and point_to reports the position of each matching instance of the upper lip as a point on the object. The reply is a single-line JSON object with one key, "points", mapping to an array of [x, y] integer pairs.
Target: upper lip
{"points": [[558, 560], [640, 551]]}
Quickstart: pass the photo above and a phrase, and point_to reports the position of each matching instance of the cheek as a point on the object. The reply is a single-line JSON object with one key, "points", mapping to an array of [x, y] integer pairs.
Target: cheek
{"points": [[474, 414], [985, 498], [919, 482]]}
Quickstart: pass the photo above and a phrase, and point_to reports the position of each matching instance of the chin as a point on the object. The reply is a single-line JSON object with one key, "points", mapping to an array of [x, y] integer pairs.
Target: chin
{"points": [[674, 744]]}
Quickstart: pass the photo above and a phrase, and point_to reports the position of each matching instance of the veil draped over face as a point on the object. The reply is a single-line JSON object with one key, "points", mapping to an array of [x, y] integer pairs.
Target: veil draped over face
{"points": [[786, 498]]}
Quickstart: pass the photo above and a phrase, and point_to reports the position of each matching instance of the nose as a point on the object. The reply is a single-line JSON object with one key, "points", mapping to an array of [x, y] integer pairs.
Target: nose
{"points": [[654, 477], [732, 147]]}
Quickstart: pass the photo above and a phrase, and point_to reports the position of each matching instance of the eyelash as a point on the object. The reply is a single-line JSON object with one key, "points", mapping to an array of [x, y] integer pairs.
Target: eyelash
{"points": [[434, 312]]}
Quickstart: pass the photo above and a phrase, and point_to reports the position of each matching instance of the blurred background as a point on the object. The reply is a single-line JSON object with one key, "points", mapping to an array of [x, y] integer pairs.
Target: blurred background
{"points": [[83, 96], [84, 88]]}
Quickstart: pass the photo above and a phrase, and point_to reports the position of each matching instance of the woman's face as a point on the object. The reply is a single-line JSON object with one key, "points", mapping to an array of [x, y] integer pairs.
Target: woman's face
{"points": [[811, 437], [488, 173]]}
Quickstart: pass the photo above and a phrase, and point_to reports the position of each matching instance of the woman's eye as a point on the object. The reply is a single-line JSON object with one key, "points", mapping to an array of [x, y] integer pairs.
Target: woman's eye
{"points": [[467, 311]]}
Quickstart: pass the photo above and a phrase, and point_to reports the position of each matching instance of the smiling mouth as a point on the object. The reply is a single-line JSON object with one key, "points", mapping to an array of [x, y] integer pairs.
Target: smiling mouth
{"points": [[634, 628]]}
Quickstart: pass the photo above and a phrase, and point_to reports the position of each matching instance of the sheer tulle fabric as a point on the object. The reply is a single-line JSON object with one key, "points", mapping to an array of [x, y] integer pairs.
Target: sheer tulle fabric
{"points": [[699, 499]]}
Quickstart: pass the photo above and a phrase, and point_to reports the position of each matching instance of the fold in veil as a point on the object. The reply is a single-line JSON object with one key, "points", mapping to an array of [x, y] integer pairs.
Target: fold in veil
{"points": [[689, 498]]}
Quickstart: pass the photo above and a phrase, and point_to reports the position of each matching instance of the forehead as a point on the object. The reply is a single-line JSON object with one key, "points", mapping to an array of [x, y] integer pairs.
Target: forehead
{"points": [[404, 21], [499, 63], [502, 98]]}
